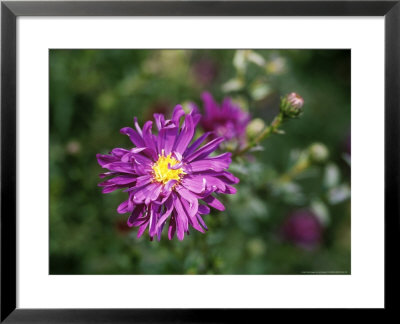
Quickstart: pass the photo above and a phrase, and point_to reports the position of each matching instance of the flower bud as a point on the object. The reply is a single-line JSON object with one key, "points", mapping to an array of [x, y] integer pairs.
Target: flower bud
{"points": [[295, 100], [318, 152], [292, 105], [255, 127]]}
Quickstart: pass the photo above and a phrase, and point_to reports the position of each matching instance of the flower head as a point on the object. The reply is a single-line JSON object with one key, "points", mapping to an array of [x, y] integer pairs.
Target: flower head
{"points": [[292, 104], [168, 179], [295, 100], [227, 120], [303, 228]]}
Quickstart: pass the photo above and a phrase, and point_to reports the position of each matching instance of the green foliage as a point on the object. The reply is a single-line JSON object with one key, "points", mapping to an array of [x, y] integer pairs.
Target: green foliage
{"points": [[94, 93]]}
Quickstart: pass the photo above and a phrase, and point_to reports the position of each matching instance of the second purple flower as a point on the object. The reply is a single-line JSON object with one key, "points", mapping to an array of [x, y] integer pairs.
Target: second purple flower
{"points": [[227, 120]]}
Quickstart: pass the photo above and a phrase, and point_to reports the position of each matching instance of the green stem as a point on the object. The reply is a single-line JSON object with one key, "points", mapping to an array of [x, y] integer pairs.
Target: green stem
{"points": [[302, 164], [271, 129]]}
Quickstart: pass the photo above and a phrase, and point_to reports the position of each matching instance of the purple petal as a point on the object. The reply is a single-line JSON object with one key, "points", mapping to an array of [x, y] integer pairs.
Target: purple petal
{"points": [[176, 166], [148, 136], [111, 188], [166, 139], [160, 202], [123, 167], [194, 112], [141, 169], [214, 184], [205, 150], [195, 183], [214, 202], [177, 114], [185, 135], [119, 152], [143, 180], [125, 207], [123, 179], [154, 215], [136, 213], [191, 217], [229, 190], [192, 201], [147, 151], [196, 144], [107, 174], [225, 176], [140, 221], [215, 163], [142, 160], [229, 178], [203, 209], [138, 129], [168, 187], [225, 156], [200, 219], [177, 156], [147, 193], [141, 230], [171, 227], [160, 120], [159, 231], [181, 218], [207, 164], [135, 138], [105, 159], [168, 210]]}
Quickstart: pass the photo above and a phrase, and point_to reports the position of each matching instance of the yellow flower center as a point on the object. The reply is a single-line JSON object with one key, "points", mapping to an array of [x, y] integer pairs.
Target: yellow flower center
{"points": [[162, 173]]}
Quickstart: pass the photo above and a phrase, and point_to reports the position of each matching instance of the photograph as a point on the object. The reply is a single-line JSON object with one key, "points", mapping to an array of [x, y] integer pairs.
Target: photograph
{"points": [[200, 161]]}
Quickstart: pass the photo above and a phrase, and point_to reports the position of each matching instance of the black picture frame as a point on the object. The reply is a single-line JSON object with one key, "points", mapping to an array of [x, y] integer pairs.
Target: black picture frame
{"points": [[9, 13]]}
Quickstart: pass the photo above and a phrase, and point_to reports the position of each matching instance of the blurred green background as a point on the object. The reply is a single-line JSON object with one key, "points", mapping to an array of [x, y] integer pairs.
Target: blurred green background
{"points": [[94, 93]]}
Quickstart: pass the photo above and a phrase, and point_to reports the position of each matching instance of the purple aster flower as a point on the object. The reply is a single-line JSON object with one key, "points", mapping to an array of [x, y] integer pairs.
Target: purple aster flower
{"points": [[168, 179], [302, 228], [227, 120]]}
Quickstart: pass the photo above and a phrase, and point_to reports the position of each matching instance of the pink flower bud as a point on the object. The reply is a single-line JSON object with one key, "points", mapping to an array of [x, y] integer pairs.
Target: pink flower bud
{"points": [[291, 105], [295, 100]]}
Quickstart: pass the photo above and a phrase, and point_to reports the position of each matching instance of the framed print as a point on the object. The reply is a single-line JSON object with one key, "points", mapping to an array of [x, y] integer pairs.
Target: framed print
{"points": [[164, 158]]}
